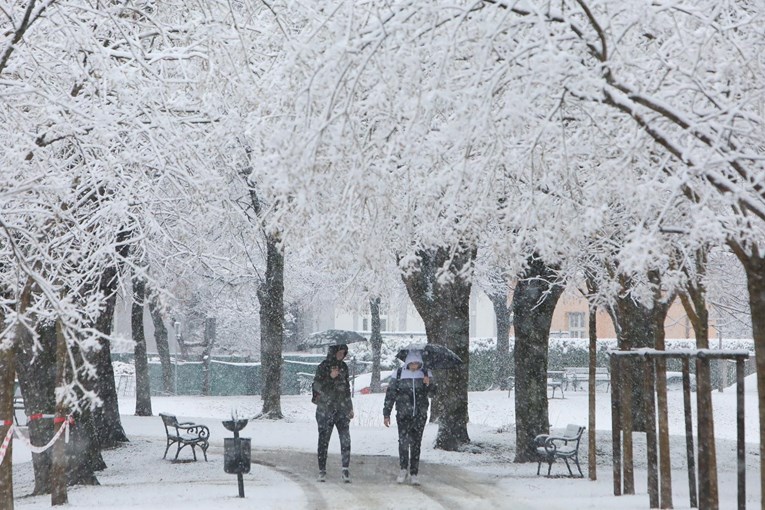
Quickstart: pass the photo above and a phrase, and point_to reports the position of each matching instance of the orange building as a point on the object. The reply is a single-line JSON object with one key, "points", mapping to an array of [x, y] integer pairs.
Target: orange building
{"points": [[571, 316]]}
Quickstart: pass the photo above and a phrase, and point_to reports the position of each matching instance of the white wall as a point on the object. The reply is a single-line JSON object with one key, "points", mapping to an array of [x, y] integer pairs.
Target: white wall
{"points": [[401, 316]]}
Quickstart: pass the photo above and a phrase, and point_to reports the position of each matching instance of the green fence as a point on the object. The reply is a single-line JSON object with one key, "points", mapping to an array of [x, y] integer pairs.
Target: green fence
{"points": [[231, 378]]}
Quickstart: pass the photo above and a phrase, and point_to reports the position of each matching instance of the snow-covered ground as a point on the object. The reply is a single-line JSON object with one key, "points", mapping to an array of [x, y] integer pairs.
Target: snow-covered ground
{"points": [[482, 476]]}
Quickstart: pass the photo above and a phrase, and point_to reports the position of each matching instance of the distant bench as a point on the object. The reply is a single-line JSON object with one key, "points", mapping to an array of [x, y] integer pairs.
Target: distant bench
{"points": [[578, 377], [18, 405], [555, 381], [18, 402]]}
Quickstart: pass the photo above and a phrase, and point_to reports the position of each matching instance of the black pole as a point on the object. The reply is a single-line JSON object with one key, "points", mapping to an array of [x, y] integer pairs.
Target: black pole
{"points": [[616, 426], [239, 477], [650, 432], [689, 449], [740, 439]]}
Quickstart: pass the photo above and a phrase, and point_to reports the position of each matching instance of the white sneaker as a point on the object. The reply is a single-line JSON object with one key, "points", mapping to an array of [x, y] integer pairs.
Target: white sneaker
{"points": [[322, 477], [401, 478], [346, 476], [414, 480]]}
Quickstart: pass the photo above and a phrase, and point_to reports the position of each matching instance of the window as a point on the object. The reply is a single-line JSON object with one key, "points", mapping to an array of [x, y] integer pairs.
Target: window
{"points": [[366, 323], [576, 327]]}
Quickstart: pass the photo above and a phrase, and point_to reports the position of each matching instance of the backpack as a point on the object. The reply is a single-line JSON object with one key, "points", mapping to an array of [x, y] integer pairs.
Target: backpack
{"points": [[315, 394]]}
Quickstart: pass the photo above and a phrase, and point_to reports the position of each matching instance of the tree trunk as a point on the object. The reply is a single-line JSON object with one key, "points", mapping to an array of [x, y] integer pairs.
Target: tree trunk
{"points": [[163, 347], [534, 300], [58, 492], [635, 327], [184, 354], [271, 298], [7, 373], [36, 370], [443, 302], [754, 265], [107, 416], [504, 321], [375, 342], [83, 451], [209, 342], [142, 380], [38, 376]]}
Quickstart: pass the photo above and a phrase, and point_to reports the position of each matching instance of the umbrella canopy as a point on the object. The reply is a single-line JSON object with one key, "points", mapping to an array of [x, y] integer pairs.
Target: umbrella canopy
{"points": [[434, 356], [332, 337]]}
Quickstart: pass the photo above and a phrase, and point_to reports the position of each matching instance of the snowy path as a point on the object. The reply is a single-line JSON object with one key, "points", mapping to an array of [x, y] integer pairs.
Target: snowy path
{"points": [[374, 486]]}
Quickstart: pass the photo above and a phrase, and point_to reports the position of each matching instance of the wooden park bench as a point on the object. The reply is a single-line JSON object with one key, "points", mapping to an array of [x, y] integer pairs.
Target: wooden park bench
{"points": [[566, 446], [185, 434], [578, 377]]}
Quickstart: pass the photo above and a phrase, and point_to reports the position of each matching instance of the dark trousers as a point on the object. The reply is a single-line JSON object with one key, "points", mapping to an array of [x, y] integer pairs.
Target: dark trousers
{"points": [[327, 419], [410, 429]]}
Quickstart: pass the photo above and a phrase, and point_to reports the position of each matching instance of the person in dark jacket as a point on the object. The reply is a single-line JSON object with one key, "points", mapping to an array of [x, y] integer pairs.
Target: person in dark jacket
{"points": [[409, 392], [334, 408]]}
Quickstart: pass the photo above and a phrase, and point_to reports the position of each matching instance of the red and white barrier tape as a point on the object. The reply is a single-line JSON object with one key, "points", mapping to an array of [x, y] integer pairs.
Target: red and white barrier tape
{"points": [[6, 442], [64, 429], [40, 449]]}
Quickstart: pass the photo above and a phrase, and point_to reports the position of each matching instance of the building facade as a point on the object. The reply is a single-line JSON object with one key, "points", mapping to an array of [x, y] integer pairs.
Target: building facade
{"points": [[570, 318]]}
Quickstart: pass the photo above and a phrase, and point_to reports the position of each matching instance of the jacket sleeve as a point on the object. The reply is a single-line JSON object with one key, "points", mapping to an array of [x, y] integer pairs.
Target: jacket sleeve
{"points": [[390, 398], [347, 397], [321, 377]]}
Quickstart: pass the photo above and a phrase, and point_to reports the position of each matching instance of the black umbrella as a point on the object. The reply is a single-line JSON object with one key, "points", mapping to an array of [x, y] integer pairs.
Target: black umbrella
{"points": [[332, 337], [434, 356]]}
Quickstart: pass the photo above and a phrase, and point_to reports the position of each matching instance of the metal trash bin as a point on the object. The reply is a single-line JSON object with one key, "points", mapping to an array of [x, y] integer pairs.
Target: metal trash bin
{"points": [[236, 455], [236, 452]]}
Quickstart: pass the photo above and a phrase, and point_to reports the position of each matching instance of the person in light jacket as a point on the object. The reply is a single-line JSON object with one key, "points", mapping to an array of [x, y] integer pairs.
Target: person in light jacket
{"points": [[409, 392], [334, 408]]}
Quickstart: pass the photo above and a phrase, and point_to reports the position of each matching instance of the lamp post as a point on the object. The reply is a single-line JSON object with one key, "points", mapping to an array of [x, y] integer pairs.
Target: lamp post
{"points": [[177, 327], [721, 363]]}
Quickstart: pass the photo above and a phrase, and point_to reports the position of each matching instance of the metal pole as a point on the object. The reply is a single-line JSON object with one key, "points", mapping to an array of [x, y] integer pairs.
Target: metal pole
{"points": [[616, 426], [177, 326], [689, 448], [651, 440], [740, 444], [239, 476], [721, 364]]}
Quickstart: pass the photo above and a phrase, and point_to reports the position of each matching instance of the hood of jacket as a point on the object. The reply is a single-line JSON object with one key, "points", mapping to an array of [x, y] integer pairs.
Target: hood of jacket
{"points": [[413, 357], [333, 349]]}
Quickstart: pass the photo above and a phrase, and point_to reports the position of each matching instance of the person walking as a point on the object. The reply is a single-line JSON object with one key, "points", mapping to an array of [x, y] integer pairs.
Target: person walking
{"points": [[409, 392], [334, 408]]}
